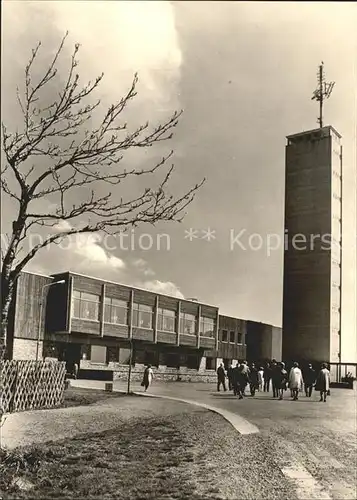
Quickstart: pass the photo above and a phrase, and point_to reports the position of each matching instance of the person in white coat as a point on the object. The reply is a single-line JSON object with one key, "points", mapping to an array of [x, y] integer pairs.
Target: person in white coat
{"points": [[261, 378], [323, 382], [295, 381]]}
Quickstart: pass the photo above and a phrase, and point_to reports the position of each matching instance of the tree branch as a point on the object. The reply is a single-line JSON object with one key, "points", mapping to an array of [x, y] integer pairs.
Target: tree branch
{"points": [[81, 153]]}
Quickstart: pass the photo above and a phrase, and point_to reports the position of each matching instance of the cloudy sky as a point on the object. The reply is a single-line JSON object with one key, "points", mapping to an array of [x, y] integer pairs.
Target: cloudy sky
{"points": [[244, 73]]}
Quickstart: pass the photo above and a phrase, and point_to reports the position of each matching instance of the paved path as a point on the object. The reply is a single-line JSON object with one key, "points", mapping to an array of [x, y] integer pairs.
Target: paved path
{"points": [[319, 440], [338, 414], [240, 424]]}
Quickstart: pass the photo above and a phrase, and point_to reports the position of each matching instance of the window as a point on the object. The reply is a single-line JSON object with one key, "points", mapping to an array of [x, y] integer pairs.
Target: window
{"points": [[115, 311], [151, 358], [187, 323], [86, 305], [210, 363], [224, 336], [192, 361], [86, 352], [99, 354], [172, 360], [335, 295], [112, 354], [124, 356], [232, 337], [336, 274], [226, 363], [335, 320], [142, 316], [240, 338], [166, 320], [50, 350], [207, 327], [336, 206]]}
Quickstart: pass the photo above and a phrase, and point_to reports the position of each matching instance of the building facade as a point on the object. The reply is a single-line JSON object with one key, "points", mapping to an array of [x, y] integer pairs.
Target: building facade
{"points": [[104, 326], [264, 342], [313, 247], [99, 324], [27, 316]]}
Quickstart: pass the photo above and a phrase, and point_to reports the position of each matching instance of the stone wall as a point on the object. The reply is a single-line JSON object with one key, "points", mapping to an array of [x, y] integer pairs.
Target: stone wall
{"points": [[26, 349], [164, 373]]}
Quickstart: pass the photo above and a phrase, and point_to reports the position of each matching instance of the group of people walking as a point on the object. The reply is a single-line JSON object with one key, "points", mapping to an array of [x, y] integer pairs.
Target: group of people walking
{"points": [[274, 374]]}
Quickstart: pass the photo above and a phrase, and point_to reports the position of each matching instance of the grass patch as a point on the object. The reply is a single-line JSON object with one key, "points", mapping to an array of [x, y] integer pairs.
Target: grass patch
{"points": [[140, 460], [75, 396]]}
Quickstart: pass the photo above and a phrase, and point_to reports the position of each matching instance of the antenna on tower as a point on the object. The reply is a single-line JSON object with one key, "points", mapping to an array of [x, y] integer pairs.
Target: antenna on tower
{"points": [[323, 90]]}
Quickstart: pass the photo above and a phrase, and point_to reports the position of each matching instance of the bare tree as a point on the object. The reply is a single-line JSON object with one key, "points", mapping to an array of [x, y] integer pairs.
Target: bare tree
{"points": [[77, 155]]}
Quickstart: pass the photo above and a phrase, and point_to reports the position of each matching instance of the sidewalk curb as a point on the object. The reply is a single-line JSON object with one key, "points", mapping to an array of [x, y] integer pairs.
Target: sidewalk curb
{"points": [[240, 424]]}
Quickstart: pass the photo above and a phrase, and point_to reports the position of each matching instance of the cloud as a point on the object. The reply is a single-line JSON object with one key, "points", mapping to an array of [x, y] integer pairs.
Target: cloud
{"points": [[164, 287], [149, 272], [140, 263], [118, 38], [129, 37], [143, 267], [85, 254], [88, 248], [83, 251]]}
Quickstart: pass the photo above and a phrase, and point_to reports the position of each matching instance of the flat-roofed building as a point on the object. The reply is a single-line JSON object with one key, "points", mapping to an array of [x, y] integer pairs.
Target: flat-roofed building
{"points": [[102, 325]]}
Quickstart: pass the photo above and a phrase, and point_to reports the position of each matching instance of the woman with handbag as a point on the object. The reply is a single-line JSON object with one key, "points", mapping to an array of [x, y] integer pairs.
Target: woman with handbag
{"points": [[323, 382], [147, 378]]}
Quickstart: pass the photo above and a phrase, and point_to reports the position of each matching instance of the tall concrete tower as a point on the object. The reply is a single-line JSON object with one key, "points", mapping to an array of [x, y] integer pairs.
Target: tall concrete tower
{"points": [[313, 248]]}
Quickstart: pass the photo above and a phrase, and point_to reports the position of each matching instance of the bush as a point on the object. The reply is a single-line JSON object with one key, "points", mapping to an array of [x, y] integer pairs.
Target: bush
{"points": [[15, 464]]}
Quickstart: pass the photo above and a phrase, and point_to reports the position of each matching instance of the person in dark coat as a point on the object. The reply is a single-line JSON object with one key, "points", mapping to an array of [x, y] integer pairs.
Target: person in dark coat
{"points": [[237, 381], [281, 379], [310, 380], [275, 377], [244, 377], [253, 379], [221, 377], [267, 377], [230, 377]]}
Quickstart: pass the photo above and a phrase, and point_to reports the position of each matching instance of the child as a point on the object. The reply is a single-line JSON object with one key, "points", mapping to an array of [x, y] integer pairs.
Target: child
{"points": [[261, 379]]}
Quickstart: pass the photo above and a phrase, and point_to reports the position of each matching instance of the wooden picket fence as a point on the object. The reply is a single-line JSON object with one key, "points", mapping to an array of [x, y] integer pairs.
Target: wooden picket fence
{"points": [[29, 385]]}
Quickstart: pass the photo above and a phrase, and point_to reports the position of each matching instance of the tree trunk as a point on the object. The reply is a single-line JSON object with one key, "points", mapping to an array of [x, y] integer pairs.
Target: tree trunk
{"points": [[9, 275], [7, 291]]}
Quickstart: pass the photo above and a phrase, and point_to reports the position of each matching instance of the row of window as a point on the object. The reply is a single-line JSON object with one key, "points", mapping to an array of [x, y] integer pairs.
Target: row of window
{"points": [[116, 311], [211, 363], [106, 354], [231, 337]]}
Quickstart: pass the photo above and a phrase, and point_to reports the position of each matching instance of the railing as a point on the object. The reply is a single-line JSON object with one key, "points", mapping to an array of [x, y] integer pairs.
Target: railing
{"points": [[340, 371]]}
